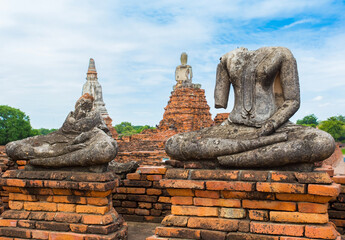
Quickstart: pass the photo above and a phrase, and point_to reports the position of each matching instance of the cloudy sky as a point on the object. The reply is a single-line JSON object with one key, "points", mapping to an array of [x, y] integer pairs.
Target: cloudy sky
{"points": [[45, 47]]}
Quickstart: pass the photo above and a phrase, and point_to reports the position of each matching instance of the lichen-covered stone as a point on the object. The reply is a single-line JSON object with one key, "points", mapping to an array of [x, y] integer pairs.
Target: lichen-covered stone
{"points": [[82, 143]]}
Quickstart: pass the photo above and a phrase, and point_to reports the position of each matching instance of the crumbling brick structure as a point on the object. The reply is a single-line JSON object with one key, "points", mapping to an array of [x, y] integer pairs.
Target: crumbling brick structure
{"points": [[187, 110]]}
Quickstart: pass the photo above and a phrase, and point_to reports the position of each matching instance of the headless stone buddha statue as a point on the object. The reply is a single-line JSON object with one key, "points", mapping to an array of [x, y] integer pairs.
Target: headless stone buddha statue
{"points": [[83, 143], [257, 133]]}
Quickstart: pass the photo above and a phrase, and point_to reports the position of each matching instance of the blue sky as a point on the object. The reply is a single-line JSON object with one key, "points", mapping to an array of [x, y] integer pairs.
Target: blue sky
{"points": [[45, 47]]}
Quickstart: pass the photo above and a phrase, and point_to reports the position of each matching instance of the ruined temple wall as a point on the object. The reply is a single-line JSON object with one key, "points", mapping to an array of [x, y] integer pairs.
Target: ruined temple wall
{"points": [[139, 197]]}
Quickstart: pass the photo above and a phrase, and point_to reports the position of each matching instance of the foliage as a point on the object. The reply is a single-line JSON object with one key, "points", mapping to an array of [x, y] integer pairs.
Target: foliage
{"points": [[42, 131], [309, 120], [335, 126], [127, 129], [14, 125]]}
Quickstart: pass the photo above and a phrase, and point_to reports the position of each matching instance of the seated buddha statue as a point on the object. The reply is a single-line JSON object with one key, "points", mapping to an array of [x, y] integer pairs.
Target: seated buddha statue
{"points": [[257, 133]]}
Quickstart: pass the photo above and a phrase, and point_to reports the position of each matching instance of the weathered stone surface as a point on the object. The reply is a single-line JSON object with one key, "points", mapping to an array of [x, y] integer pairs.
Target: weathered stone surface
{"points": [[82, 141], [258, 133]]}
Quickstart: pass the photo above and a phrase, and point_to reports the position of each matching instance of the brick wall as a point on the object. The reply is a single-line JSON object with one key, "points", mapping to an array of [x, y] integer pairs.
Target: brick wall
{"points": [[336, 209], [139, 197]]}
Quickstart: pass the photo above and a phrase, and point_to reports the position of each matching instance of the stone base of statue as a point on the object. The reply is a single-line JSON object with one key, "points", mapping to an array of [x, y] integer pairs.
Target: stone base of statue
{"points": [[247, 204], [60, 205]]}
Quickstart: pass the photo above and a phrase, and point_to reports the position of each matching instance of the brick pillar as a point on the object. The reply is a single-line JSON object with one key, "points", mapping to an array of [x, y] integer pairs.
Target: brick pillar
{"points": [[60, 205], [337, 206], [243, 204]]}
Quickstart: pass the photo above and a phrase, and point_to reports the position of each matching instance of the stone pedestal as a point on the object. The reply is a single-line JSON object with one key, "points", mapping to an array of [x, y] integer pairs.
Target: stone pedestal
{"points": [[60, 205], [227, 204]]}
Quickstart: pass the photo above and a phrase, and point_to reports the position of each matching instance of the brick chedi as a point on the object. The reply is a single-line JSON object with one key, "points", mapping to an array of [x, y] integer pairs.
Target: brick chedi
{"points": [[187, 110]]}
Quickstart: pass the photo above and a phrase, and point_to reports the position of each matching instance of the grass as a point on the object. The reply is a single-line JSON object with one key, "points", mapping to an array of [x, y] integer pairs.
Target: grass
{"points": [[343, 150]]}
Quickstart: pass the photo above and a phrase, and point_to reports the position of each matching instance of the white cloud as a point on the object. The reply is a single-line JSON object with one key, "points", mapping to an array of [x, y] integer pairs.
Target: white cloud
{"points": [[317, 98]]}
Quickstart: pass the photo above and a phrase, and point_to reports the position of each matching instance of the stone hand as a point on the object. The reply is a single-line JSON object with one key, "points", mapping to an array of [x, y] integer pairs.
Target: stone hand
{"points": [[266, 129]]}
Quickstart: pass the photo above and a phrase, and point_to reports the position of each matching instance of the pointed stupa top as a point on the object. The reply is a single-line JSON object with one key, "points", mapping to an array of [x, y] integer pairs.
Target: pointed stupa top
{"points": [[92, 66]]}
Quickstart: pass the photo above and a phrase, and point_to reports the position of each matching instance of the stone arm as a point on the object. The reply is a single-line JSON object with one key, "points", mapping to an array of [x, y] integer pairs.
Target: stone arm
{"points": [[222, 89], [291, 93]]}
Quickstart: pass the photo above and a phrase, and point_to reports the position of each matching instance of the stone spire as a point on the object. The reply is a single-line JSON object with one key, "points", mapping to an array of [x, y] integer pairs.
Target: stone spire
{"points": [[93, 88]]}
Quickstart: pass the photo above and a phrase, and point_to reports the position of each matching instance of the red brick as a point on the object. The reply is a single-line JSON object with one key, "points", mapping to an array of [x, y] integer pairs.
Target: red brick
{"points": [[323, 232], [22, 197], [91, 209], [219, 224], [178, 232], [276, 228], [324, 190], [248, 195], [214, 235], [151, 170], [305, 207], [180, 192], [302, 198], [135, 190], [194, 211], [67, 217], [134, 176], [97, 201], [16, 182], [97, 219], [221, 202], [189, 184], [143, 212], [65, 236], [16, 205], [249, 236], [236, 185], [259, 215], [153, 191], [164, 199], [37, 234], [313, 177], [174, 173], [296, 217], [78, 228], [283, 177], [154, 177], [144, 205], [40, 206], [272, 205], [61, 207], [277, 187], [214, 174], [252, 175], [207, 194], [8, 223], [182, 200], [178, 221]]}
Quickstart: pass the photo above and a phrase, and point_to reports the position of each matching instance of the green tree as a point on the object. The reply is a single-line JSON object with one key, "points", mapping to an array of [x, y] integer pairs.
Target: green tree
{"points": [[309, 120], [127, 129], [14, 125], [334, 126], [43, 131]]}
